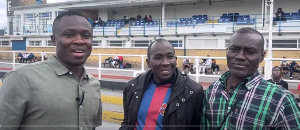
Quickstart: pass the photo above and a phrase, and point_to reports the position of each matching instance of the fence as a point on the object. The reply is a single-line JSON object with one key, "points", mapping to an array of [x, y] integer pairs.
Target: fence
{"points": [[135, 72]]}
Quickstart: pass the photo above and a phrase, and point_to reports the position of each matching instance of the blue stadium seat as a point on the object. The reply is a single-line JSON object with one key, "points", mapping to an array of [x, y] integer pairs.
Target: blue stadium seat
{"points": [[252, 21], [295, 17], [182, 19], [199, 15], [194, 16], [294, 14]]}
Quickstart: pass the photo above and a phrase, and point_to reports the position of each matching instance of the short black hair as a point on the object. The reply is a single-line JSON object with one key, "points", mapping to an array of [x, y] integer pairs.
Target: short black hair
{"points": [[157, 41], [248, 30], [68, 13]]}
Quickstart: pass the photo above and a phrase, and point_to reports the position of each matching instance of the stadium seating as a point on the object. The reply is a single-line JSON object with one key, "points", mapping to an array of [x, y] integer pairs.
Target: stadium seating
{"points": [[194, 20], [237, 18]]}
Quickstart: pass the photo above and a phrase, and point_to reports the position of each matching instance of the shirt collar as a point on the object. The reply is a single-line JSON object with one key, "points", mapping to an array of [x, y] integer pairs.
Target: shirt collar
{"points": [[59, 68], [250, 81]]}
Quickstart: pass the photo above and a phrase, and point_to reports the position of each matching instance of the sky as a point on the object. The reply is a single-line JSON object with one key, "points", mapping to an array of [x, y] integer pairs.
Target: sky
{"points": [[3, 17]]}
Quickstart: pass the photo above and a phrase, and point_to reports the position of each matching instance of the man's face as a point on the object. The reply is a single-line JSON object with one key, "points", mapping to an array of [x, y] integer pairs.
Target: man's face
{"points": [[162, 61], [73, 39], [244, 54], [276, 72]]}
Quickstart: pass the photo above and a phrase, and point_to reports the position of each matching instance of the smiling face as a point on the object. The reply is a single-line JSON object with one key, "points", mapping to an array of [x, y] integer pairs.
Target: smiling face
{"points": [[162, 61], [244, 54], [73, 39]]}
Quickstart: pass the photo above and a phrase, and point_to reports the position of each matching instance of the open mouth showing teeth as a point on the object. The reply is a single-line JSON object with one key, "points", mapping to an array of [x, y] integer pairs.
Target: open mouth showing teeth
{"points": [[78, 51], [165, 72]]}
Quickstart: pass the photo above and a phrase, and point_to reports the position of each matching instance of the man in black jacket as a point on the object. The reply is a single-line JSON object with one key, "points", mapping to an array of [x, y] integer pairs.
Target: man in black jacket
{"points": [[162, 98]]}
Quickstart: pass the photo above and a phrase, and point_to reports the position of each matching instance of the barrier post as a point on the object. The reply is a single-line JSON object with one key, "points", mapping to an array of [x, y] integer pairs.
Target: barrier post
{"points": [[143, 63], [99, 69], [197, 69], [14, 59], [42, 56]]}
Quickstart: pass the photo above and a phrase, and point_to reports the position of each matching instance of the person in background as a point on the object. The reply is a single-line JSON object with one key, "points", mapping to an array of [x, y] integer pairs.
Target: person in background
{"points": [[280, 15], [207, 63], [277, 78], [57, 94], [150, 18], [20, 57], [146, 18], [293, 68], [214, 66], [162, 98], [284, 65], [31, 57]]}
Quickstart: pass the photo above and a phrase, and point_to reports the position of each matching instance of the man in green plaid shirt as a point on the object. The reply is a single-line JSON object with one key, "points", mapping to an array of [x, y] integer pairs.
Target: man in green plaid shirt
{"points": [[241, 99]]}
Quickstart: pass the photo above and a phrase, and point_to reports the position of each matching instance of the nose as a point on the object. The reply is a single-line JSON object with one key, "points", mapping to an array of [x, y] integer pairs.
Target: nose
{"points": [[240, 55], [165, 61], [78, 40]]}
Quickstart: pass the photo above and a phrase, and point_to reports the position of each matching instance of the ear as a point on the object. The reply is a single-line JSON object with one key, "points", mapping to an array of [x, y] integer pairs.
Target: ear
{"points": [[148, 63], [53, 40], [262, 56]]}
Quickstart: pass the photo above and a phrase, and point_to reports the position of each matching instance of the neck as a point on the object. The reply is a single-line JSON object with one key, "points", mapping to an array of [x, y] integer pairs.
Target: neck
{"points": [[233, 81], [78, 70], [276, 79]]}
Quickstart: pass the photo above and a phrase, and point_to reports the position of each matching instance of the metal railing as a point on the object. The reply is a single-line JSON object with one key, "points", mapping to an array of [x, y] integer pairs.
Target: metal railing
{"points": [[197, 75], [178, 26]]}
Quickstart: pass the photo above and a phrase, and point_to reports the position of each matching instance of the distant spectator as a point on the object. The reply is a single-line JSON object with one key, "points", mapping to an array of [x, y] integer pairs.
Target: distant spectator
{"points": [[146, 18], [150, 18], [284, 65], [205, 64], [25, 57], [280, 15], [277, 78], [44, 55], [125, 19], [186, 64], [100, 22], [20, 57], [214, 66], [293, 68], [31, 57], [138, 17]]}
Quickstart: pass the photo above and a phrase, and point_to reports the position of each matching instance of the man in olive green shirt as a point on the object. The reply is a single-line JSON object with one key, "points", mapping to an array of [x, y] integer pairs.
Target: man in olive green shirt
{"points": [[58, 93]]}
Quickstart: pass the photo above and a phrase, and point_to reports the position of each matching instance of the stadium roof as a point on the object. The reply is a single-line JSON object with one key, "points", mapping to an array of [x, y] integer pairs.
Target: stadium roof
{"points": [[97, 4]]}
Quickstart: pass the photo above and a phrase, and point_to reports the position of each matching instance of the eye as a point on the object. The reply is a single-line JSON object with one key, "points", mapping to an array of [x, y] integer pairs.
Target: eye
{"points": [[86, 35], [234, 49], [157, 57], [171, 57], [251, 52], [69, 34]]}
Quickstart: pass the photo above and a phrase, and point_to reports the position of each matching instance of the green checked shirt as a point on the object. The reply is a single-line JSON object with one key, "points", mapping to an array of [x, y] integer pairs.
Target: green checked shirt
{"points": [[263, 106]]}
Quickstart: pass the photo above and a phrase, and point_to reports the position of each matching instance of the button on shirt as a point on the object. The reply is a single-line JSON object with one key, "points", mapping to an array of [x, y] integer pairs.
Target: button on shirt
{"points": [[264, 106], [43, 95]]}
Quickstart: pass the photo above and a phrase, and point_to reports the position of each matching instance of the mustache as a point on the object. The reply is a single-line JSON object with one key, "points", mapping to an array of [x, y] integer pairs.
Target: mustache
{"points": [[239, 63]]}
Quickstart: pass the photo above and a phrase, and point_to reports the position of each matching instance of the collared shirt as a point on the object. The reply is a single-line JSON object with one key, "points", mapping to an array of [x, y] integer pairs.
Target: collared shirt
{"points": [[43, 95], [260, 105]]}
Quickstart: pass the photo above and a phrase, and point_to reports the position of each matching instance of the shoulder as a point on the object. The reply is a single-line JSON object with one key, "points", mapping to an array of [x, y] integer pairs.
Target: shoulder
{"points": [[275, 90], [28, 68], [194, 85]]}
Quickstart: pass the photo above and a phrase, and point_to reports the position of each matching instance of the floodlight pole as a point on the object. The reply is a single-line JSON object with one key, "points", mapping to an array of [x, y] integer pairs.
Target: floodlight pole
{"points": [[269, 65]]}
